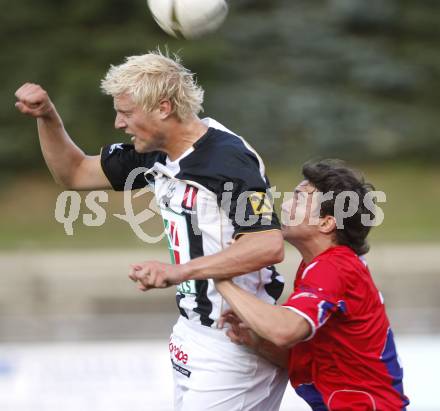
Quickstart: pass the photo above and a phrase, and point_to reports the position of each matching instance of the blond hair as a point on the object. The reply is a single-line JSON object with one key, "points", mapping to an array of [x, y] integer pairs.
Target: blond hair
{"points": [[151, 77]]}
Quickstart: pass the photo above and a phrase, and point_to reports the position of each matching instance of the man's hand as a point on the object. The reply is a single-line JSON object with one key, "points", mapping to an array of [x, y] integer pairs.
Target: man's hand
{"points": [[34, 101], [241, 334], [238, 332], [154, 274]]}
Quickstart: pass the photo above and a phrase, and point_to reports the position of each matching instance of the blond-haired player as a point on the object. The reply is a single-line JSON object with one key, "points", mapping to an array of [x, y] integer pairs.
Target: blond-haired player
{"points": [[210, 186]]}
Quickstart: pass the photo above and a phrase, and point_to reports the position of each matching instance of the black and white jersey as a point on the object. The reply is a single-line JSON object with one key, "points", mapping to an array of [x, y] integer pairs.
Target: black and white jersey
{"points": [[215, 192]]}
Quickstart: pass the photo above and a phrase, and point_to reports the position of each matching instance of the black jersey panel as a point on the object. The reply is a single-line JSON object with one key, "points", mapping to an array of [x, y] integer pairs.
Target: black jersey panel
{"points": [[183, 313], [276, 285], [223, 164], [118, 160], [204, 305]]}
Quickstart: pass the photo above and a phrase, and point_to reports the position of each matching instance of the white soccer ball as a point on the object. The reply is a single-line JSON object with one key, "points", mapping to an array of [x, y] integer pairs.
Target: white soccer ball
{"points": [[188, 18]]}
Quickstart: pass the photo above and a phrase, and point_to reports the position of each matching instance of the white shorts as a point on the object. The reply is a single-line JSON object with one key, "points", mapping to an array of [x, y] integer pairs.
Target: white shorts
{"points": [[213, 374]]}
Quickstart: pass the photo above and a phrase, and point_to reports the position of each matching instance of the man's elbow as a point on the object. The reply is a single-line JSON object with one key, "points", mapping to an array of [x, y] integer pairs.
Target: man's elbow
{"points": [[62, 181], [286, 336], [72, 178], [285, 339], [279, 252], [66, 182]]}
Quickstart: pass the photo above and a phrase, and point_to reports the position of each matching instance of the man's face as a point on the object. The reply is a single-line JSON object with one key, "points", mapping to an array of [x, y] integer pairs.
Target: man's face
{"points": [[144, 128], [297, 213]]}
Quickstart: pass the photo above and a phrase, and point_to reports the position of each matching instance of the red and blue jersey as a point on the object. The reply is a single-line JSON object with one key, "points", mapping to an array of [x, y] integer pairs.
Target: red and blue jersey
{"points": [[349, 362]]}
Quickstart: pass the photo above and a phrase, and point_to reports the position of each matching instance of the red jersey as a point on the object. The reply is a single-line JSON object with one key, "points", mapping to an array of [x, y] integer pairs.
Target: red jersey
{"points": [[349, 363]]}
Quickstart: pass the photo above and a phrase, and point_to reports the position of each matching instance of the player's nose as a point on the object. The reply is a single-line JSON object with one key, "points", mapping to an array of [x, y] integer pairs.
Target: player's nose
{"points": [[120, 122]]}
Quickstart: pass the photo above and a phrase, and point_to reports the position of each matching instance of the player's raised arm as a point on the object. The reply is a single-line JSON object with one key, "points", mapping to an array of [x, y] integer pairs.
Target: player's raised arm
{"points": [[68, 164]]}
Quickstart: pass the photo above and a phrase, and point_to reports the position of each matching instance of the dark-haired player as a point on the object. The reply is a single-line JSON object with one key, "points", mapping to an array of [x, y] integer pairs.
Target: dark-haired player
{"points": [[342, 354]]}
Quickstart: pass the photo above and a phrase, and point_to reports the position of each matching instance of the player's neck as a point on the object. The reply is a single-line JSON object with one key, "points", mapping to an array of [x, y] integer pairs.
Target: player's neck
{"points": [[183, 135], [311, 248]]}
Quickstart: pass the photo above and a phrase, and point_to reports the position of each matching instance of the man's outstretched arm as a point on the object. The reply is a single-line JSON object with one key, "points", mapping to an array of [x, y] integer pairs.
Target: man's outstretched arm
{"points": [[68, 164], [241, 334], [249, 253], [276, 324]]}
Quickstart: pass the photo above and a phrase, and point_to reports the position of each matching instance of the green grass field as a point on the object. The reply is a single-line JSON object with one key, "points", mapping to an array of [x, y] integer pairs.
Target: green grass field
{"points": [[27, 209]]}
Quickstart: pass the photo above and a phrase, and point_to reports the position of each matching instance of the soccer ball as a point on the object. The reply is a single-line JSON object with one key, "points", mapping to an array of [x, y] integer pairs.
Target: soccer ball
{"points": [[188, 18]]}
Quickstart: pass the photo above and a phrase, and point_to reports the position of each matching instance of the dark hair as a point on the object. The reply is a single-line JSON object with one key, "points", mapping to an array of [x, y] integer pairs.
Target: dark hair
{"points": [[334, 175]]}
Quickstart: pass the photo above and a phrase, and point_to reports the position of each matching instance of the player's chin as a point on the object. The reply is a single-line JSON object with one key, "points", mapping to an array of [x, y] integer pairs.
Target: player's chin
{"points": [[142, 147], [139, 147]]}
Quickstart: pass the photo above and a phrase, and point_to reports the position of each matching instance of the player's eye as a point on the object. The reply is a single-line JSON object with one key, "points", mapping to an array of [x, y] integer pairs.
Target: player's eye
{"points": [[124, 113]]}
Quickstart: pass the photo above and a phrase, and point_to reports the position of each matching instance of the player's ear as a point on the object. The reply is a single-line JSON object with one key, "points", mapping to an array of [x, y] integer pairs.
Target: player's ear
{"points": [[327, 224], [165, 108]]}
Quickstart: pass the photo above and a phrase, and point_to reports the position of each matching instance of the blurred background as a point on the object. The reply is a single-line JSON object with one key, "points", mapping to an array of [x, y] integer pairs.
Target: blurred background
{"points": [[353, 79]]}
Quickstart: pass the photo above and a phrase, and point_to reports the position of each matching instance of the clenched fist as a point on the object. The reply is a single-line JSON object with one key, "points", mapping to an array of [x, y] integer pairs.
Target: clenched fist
{"points": [[154, 274], [33, 100]]}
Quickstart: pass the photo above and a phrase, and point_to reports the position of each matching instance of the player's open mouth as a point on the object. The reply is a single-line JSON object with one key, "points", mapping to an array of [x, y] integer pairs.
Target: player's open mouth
{"points": [[132, 138]]}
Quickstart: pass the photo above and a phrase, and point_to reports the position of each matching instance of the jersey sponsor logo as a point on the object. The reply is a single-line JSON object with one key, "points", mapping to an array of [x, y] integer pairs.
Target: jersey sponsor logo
{"points": [[173, 240], [176, 231], [180, 369], [187, 287], [261, 203], [177, 352]]}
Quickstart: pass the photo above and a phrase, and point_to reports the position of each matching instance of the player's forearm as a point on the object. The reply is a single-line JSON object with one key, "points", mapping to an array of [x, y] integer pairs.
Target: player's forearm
{"points": [[273, 323], [61, 154], [249, 253]]}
